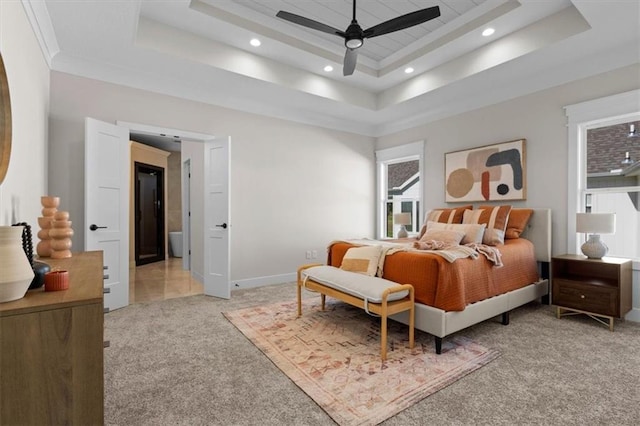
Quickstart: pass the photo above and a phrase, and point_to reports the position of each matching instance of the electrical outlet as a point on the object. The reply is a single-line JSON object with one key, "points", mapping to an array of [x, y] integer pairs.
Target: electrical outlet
{"points": [[314, 254], [308, 254]]}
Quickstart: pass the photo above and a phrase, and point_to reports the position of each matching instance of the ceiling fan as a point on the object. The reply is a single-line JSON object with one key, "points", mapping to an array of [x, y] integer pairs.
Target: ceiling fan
{"points": [[354, 35]]}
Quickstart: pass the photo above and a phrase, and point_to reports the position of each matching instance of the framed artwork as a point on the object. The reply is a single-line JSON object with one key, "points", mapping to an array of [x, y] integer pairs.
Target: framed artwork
{"points": [[488, 173], [5, 122]]}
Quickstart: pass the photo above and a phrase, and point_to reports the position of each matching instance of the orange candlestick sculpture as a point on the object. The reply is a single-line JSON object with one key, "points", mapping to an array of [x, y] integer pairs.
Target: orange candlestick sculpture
{"points": [[61, 234], [49, 209]]}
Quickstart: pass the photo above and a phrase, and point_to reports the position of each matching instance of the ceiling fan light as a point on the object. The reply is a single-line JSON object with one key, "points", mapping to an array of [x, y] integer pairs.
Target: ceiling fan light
{"points": [[353, 43]]}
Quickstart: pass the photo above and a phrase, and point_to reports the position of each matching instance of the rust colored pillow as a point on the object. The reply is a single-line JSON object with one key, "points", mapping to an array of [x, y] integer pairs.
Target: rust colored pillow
{"points": [[444, 215], [495, 217], [518, 220]]}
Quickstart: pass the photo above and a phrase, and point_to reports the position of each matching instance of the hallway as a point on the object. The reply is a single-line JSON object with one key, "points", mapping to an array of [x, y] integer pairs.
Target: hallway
{"points": [[161, 280]]}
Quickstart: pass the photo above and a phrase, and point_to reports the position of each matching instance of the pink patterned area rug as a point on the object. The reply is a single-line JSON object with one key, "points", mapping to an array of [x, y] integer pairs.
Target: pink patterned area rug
{"points": [[334, 357]]}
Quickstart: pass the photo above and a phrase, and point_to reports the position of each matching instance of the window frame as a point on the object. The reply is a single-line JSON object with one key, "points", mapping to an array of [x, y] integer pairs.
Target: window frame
{"points": [[384, 157], [607, 111]]}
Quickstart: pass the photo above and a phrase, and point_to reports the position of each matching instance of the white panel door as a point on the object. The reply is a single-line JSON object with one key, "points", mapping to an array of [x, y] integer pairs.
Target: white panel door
{"points": [[106, 197], [186, 215], [216, 218]]}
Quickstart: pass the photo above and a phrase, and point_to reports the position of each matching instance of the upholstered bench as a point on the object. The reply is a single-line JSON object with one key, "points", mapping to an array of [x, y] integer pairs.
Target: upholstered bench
{"points": [[375, 295]]}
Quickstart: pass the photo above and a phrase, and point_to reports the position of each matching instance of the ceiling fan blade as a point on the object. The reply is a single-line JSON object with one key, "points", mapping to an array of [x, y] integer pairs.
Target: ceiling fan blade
{"points": [[402, 22], [350, 59], [309, 23]]}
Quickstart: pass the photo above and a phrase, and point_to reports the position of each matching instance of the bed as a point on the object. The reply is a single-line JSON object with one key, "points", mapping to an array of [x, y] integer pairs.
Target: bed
{"points": [[445, 300]]}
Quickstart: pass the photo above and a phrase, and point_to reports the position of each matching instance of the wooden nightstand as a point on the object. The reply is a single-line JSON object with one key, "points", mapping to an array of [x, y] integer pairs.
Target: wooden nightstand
{"points": [[600, 288]]}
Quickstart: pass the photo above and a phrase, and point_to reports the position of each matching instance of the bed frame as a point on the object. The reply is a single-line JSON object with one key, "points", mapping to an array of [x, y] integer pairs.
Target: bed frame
{"points": [[441, 323]]}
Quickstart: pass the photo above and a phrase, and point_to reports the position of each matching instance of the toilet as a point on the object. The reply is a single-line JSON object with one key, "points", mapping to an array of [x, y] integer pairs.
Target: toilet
{"points": [[175, 242]]}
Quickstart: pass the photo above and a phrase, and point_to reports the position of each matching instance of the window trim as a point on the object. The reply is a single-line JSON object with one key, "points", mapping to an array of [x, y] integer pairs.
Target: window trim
{"points": [[386, 156], [581, 117]]}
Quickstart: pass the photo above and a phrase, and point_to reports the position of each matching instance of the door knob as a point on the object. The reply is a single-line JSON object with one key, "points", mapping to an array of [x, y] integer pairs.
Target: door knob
{"points": [[223, 226], [93, 227]]}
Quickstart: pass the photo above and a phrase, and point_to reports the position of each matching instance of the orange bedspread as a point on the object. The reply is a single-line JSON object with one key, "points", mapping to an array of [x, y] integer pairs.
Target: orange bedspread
{"points": [[452, 286]]}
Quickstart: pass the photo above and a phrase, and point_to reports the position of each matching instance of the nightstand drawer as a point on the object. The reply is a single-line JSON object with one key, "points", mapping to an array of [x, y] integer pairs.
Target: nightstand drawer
{"points": [[591, 298]]}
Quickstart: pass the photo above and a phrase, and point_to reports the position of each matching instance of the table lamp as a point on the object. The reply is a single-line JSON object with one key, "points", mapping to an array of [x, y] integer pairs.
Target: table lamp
{"points": [[402, 219], [595, 224]]}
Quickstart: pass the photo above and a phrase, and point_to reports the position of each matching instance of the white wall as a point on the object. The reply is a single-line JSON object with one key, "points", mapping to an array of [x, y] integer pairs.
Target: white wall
{"points": [[28, 76], [541, 120], [294, 187]]}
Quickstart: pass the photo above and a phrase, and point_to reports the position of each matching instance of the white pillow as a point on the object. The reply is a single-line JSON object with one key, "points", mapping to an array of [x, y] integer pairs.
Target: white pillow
{"points": [[472, 232], [363, 260], [447, 236]]}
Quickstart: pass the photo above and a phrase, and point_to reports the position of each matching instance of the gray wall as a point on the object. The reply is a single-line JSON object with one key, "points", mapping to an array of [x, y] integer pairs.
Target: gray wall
{"points": [[294, 187], [28, 77], [540, 119]]}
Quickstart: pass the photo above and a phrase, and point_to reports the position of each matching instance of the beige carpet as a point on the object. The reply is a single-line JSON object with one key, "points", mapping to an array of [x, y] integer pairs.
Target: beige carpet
{"points": [[334, 357], [180, 362]]}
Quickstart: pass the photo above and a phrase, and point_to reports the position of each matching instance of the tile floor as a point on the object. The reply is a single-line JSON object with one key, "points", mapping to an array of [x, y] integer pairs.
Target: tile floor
{"points": [[160, 281]]}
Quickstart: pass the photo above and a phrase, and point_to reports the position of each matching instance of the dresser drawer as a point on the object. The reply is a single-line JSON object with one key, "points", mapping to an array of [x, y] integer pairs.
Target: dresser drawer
{"points": [[597, 299]]}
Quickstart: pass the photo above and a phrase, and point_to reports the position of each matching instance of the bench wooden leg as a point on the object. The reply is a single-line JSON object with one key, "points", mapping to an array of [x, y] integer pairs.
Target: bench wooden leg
{"points": [[383, 337], [412, 323], [299, 299], [323, 299]]}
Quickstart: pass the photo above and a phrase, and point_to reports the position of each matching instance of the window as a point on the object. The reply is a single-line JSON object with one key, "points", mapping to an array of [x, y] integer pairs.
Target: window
{"points": [[613, 182], [399, 172], [600, 179]]}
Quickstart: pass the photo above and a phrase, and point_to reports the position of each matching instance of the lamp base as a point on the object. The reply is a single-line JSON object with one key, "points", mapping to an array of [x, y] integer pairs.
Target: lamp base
{"points": [[402, 233], [594, 248]]}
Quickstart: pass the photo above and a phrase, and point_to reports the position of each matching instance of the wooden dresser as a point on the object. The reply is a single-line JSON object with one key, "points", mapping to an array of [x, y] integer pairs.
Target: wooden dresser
{"points": [[51, 350]]}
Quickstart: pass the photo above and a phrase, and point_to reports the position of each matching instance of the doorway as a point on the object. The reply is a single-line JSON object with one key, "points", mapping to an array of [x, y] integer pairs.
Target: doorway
{"points": [[202, 253], [149, 214]]}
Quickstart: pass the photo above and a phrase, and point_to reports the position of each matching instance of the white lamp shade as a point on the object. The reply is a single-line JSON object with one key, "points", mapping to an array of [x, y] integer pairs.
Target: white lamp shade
{"points": [[596, 223], [402, 218]]}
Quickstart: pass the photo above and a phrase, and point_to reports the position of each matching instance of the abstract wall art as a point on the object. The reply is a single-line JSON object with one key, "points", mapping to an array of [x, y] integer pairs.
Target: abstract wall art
{"points": [[488, 173]]}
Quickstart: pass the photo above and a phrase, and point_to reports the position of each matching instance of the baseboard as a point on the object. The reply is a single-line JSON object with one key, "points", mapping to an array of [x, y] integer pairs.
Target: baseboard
{"points": [[262, 281], [197, 276]]}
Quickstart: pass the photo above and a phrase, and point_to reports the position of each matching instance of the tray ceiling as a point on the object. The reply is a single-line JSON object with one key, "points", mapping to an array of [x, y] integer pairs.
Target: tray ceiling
{"points": [[200, 50]]}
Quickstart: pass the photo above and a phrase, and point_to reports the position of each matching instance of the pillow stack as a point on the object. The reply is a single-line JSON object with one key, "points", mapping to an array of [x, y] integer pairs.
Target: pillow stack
{"points": [[494, 217], [444, 215], [489, 225]]}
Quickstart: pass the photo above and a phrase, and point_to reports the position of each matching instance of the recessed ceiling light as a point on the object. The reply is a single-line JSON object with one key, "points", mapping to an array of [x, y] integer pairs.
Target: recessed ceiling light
{"points": [[488, 31], [408, 70], [328, 68], [255, 42]]}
